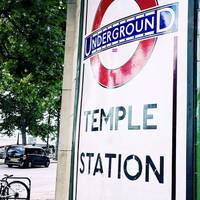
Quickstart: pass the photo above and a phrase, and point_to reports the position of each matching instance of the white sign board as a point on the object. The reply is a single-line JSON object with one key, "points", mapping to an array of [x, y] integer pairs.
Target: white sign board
{"points": [[131, 131]]}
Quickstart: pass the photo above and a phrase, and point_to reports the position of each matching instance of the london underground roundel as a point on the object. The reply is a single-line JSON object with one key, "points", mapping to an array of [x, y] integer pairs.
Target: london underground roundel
{"points": [[112, 78]]}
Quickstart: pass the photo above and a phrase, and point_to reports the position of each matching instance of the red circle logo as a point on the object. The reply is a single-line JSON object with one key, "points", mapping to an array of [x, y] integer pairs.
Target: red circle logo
{"points": [[112, 78]]}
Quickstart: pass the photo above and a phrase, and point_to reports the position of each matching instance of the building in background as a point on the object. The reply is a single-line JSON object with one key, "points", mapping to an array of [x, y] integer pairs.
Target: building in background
{"points": [[16, 139]]}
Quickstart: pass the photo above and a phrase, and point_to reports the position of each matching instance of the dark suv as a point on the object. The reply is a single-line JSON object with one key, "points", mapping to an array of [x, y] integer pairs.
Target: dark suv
{"points": [[26, 156]]}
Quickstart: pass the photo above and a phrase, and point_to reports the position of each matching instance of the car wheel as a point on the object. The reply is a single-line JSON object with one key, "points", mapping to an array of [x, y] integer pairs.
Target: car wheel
{"points": [[29, 164], [21, 164], [9, 165], [47, 163]]}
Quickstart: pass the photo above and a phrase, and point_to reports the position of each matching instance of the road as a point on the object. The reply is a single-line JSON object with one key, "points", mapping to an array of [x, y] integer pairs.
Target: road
{"points": [[42, 180]]}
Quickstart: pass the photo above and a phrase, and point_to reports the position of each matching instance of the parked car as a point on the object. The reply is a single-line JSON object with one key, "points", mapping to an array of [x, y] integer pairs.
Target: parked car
{"points": [[26, 156], [2, 152], [50, 149]]}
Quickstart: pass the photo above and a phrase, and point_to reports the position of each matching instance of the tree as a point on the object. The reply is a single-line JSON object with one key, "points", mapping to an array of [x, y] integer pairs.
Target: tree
{"points": [[32, 36]]}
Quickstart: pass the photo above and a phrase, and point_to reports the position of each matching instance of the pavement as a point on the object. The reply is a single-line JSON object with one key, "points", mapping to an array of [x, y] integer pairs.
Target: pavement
{"points": [[43, 180]]}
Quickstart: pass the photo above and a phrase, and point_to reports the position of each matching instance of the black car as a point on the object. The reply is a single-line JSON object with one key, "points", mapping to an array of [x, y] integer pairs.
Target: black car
{"points": [[26, 156], [2, 152]]}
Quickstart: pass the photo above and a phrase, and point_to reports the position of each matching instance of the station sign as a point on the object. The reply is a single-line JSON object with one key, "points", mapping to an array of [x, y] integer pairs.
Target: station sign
{"points": [[131, 120]]}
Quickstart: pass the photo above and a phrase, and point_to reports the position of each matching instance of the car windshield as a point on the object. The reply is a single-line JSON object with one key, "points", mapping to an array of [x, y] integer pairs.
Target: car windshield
{"points": [[15, 151]]}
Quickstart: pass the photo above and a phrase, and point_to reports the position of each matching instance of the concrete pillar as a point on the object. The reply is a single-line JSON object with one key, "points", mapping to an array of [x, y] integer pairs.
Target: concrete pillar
{"points": [[70, 64]]}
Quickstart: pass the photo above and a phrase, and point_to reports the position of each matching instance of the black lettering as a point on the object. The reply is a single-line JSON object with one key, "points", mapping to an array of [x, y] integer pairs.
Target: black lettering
{"points": [[159, 176], [89, 155], [82, 162], [130, 125], [147, 116], [119, 165], [106, 118], [86, 125], [137, 175], [98, 162], [94, 120], [110, 156], [119, 117]]}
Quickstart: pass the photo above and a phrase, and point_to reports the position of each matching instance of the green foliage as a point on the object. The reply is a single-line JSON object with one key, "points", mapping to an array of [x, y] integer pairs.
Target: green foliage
{"points": [[32, 36]]}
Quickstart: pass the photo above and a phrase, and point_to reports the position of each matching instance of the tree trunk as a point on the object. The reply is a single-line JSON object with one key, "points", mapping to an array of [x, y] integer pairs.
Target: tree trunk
{"points": [[17, 138], [48, 133], [58, 133], [23, 131], [24, 137]]}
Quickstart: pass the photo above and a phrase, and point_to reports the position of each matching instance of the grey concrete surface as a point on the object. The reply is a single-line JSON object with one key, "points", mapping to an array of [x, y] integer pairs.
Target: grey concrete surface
{"points": [[68, 91], [43, 179]]}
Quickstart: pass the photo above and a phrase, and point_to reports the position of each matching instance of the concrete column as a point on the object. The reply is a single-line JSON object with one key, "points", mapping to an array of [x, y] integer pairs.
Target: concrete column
{"points": [[70, 64]]}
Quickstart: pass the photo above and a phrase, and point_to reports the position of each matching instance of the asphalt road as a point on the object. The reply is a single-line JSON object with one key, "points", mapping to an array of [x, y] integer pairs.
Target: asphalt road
{"points": [[43, 180]]}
